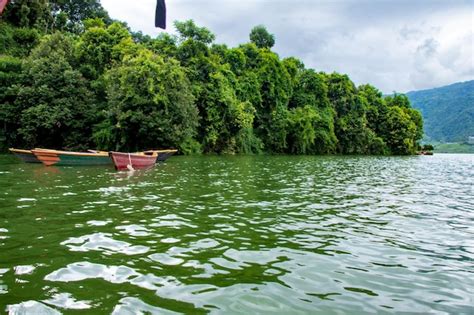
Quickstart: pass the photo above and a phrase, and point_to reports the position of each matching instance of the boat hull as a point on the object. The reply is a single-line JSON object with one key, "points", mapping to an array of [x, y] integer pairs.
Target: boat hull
{"points": [[131, 161], [25, 155], [163, 155], [63, 158]]}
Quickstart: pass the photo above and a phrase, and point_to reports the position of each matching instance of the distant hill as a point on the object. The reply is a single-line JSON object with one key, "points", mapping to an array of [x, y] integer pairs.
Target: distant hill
{"points": [[448, 111]]}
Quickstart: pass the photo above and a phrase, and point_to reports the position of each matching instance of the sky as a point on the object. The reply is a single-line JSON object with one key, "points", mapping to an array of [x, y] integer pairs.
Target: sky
{"points": [[396, 45]]}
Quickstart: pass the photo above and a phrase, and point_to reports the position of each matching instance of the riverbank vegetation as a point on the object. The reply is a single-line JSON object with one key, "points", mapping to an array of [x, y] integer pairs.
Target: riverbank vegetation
{"points": [[73, 78]]}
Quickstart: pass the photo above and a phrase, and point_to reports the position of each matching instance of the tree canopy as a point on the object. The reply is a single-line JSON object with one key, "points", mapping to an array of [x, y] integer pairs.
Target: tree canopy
{"points": [[72, 78], [261, 37]]}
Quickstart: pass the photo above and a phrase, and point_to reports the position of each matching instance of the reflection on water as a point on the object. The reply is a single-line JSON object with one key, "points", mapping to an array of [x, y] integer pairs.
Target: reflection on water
{"points": [[246, 235]]}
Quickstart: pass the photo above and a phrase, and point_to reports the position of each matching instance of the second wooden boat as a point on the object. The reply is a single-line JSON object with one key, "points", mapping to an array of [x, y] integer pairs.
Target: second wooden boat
{"points": [[163, 155], [66, 158], [132, 161]]}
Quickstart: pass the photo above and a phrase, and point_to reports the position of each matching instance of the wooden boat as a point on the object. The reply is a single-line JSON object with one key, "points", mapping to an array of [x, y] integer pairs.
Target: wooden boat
{"points": [[66, 158], [97, 151], [163, 155], [425, 153], [133, 161], [25, 155]]}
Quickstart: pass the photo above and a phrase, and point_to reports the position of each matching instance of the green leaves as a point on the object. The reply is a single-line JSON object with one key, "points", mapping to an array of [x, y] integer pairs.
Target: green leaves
{"points": [[189, 31], [400, 131], [98, 48], [150, 105], [56, 106], [108, 88]]}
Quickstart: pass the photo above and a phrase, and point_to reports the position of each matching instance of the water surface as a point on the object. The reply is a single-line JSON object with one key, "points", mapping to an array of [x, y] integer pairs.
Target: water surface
{"points": [[263, 234]]}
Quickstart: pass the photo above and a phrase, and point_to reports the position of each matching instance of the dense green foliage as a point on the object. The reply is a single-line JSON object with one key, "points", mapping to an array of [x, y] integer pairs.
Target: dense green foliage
{"points": [[72, 78], [448, 111]]}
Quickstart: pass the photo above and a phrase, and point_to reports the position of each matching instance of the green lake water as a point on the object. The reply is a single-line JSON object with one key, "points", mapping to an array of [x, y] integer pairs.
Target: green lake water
{"points": [[240, 235]]}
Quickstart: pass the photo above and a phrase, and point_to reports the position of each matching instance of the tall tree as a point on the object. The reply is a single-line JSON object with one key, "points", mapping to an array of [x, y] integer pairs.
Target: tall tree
{"points": [[70, 14], [275, 88], [97, 48], [57, 107], [150, 105], [261, 37], [311, 116], [29, 13]]}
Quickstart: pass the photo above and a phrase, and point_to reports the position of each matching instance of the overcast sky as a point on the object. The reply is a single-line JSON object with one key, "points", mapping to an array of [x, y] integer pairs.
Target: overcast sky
{"points": [[395, 45]]}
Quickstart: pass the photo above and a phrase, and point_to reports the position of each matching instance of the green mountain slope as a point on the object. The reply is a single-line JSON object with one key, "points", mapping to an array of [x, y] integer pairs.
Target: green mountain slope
{"points": [[448, 111]]}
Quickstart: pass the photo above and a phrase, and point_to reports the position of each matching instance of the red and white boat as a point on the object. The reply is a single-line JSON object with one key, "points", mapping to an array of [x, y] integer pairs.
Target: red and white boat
{"points": [[132, 161]]}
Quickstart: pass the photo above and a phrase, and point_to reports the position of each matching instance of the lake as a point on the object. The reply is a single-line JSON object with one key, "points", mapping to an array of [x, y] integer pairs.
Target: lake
{"points": [[240, 234]]}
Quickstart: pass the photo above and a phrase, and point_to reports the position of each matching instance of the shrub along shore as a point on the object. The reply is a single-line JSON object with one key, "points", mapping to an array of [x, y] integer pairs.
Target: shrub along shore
{"points": [[73, 78]]}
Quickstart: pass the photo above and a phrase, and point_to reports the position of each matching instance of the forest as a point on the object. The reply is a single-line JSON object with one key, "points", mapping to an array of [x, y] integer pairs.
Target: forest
{"points": [[73, 78]]}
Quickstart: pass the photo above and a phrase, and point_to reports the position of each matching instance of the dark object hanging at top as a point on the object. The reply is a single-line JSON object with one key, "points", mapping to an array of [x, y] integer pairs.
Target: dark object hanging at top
{"points": [[160, 17]]}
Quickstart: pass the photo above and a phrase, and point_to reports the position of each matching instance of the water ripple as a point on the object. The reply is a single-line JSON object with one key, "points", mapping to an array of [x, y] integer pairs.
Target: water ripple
{"points": [[299, 235], [102, 242]]}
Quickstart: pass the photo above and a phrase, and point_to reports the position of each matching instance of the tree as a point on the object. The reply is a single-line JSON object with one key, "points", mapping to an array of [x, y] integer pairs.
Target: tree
{"points": [[150, 105], [301, 134], [17, 41], [261, 37], [193, 50], [310, 88], [10, 75], [400, 100], [70, 14], [236, 59], [403, 126], [311, 117], [189, 30], [349, 120], [98, 48], [52, 15], [400, 132], [29, 14], [427, 147], [376, 108], [275, 89], [294, 67], [95, 82], [164, 44], [56, 106]]}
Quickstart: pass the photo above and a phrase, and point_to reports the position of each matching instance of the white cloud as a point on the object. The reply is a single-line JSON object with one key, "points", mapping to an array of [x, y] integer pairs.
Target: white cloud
{"points": [[394, 45]]}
